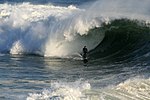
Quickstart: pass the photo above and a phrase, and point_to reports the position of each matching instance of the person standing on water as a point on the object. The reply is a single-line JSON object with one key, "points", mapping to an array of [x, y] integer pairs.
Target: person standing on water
{"points": [[85, 51]]}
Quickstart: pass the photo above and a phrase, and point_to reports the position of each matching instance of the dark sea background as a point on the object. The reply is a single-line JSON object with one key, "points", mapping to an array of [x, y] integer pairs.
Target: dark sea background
{"points": [[41, 45]]}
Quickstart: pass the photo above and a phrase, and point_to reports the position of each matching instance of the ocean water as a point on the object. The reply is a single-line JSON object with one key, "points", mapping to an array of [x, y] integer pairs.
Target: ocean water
{"points": [[41, 44]]}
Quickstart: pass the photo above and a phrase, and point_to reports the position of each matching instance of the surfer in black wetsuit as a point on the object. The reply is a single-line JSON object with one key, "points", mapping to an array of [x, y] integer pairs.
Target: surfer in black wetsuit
{"points": [[85, 51]]}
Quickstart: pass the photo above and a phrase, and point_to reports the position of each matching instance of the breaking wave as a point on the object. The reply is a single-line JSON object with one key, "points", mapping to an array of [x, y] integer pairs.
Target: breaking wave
{"points": [[106, 29], [46, 30], [132, 89]]}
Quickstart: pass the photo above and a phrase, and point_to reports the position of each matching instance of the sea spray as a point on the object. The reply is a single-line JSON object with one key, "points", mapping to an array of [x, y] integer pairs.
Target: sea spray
{"points": [[45, 29], [131, 9]]}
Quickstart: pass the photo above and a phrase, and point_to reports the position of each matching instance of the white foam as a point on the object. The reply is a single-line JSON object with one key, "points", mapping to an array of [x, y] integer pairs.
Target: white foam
{"points": [[48, 29], [62, 91], [131, 89]]}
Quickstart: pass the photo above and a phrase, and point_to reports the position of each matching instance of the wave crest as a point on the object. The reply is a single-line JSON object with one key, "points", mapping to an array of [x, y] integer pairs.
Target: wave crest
{"points": [[55, 30]]}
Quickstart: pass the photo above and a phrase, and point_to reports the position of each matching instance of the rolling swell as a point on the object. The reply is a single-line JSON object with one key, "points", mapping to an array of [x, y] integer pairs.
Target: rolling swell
{"points": [[124, 39]]}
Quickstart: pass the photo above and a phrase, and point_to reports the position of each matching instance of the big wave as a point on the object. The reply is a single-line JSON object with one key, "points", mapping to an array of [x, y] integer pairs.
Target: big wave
{"points": [[50, 30]]}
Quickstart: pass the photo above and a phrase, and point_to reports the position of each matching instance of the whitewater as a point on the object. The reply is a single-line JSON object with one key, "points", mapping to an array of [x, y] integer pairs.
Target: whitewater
{"points": [[42, 29], [41, 45]]}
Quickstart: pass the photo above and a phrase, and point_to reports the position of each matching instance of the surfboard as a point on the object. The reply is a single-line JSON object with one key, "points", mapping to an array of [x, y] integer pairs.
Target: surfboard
{"points": [[84, 57], [85, 60]]}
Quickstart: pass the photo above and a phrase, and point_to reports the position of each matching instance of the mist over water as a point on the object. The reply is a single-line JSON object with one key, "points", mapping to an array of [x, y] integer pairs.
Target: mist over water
{"points": [[49, 27], [56, 2], [134, 9]]}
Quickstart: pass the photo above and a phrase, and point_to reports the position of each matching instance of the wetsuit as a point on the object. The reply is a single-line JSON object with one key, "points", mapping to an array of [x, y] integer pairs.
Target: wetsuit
{"points": [[85, 50]]}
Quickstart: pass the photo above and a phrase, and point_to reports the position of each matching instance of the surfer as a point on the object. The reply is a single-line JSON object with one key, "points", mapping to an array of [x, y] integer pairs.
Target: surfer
{"points": [[85, 51]]}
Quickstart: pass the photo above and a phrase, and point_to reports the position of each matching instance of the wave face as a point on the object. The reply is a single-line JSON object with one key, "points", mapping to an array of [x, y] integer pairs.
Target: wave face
{"points": [[49, 30], [123, 39]]}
